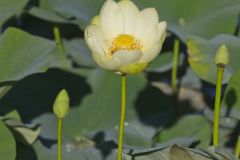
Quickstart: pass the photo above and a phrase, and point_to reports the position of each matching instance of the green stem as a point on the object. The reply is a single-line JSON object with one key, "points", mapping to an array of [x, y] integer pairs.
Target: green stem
{"points": [[57, 37], [175, 65], [237, 149], [123, 112], [220, 71], [59, 139]]}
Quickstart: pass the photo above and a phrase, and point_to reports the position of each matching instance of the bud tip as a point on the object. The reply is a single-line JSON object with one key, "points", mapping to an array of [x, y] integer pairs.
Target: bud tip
{"points": [[222, 55]]}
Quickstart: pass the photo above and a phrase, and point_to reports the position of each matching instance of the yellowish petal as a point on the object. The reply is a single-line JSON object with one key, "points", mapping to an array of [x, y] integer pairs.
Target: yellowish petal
{"points": [[158, 36], [151, 53], [161, 27], [130, 12], [111, 19], [125, 57], [105, 62], [146, 20], [96, 20], [133, 68], [95, 40], [150, 38]]}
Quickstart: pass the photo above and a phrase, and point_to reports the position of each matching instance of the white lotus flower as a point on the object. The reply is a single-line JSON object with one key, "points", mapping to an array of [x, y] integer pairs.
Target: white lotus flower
{"points": [[124, 39]]}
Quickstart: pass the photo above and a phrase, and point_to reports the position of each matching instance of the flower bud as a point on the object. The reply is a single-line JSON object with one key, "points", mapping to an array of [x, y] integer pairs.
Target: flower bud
{"points": [[61, 104], [222, 55]]}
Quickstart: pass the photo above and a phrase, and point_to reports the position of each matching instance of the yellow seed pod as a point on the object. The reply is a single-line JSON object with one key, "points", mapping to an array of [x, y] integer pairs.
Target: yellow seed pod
{"points": [[61, 104], [222, 55]]}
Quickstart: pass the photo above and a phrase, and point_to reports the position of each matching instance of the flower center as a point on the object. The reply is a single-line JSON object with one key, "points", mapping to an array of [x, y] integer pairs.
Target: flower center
{"points": [[125, 42]]}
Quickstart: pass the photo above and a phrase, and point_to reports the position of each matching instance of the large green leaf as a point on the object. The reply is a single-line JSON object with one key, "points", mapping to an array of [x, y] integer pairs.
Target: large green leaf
{"points": [[228, 125], [13, 115], [191, 80], [10, 8], [35, 94], [26, 134], [7, 143], [106, 93], [163, 62], [231, 99], [202, 53], [198, 17], [47, 15], [22, 54], [106, 151], [104, 105], [197, 127], [79, 51], [39, 151], [82, 10], [232, 93], [136, 134], [104, 146]]}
